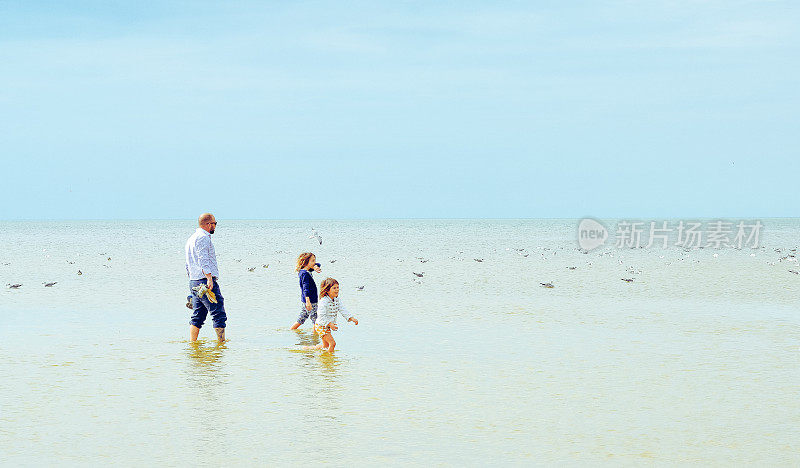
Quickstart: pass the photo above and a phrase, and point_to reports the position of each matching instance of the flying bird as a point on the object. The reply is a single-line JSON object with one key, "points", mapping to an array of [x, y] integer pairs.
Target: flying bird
{"points": [[479, 260], [251, 269], [547, 285], [418, 275], [80, 272], [627, 280], [315, 235], [48, 285], [14, 286], [360, 288]]}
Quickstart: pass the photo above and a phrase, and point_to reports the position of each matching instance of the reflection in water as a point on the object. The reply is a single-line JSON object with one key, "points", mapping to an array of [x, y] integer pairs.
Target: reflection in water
{"points": [[205, 375], [205, 360], [329, 363], [306, 338], [323, 371]]}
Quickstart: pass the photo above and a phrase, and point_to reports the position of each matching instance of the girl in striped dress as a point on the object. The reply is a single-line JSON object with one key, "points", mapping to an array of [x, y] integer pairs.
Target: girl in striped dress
{"points": [[329, 307]]}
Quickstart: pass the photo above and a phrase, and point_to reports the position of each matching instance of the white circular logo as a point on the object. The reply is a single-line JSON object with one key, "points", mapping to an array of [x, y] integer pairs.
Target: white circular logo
{"points": [[591, 234]]}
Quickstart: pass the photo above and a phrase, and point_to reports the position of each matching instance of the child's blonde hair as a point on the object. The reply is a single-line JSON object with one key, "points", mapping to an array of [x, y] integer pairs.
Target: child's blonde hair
{"points": [[302, 260], [325, 287]]}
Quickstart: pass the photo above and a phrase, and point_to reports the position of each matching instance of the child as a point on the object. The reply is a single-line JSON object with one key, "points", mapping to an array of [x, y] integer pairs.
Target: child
{"points": [[306, 263], [330, 306]]}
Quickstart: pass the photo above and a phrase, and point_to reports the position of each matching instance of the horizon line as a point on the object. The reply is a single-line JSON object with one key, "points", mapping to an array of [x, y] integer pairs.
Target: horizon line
{"points": [[651, 218]]}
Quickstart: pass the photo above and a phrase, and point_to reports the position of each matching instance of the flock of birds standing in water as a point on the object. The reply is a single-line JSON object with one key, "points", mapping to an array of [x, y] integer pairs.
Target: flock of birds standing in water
{"points": [[789, 257]]}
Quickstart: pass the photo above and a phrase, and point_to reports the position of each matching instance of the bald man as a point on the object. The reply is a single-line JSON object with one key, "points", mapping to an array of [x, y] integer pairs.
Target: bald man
{"points": [[201, 266]]}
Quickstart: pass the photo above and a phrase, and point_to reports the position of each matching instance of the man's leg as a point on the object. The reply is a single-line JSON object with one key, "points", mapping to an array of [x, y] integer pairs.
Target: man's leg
{"points": [[218, 313], [199, 313]]}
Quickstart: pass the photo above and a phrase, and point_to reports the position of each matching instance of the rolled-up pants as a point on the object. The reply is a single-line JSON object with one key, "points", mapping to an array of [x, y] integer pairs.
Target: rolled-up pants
{"points": [[201, 307]]}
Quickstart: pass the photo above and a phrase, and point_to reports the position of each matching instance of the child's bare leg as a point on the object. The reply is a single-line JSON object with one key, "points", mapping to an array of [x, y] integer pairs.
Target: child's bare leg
{"points": [[296, 324], [331, 343], [325, 341]]}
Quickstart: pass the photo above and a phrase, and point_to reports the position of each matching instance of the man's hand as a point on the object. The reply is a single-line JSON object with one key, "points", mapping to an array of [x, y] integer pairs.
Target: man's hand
{"points": [[334, 327], [209, 283], [353, 319], [317, 269], [308, 305]]}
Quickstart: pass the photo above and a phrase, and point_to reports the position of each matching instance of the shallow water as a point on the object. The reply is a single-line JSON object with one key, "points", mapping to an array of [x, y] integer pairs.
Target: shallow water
{"points": [[696, 361]]}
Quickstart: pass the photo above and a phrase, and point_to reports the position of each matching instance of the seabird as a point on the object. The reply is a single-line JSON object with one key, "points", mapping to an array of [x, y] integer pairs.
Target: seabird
{"points": [[47, 285], [333, 261], [266, 265], [547, 285], [80, 272], [251, 269], [627, 280], [418, 275], [795, 272], [14, 286], [479, 260], [360, 288], [315, 235], [571, 268]]}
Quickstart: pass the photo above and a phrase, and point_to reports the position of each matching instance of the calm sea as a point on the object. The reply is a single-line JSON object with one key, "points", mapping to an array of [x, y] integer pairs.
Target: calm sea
{"points": [[693, 362]]}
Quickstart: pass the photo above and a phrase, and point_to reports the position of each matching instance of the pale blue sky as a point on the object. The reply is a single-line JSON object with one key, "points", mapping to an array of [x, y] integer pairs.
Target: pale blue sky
{"points": [[165, 109]]}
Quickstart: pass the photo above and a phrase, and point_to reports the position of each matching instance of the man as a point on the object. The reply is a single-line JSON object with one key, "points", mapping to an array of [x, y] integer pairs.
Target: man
{"points": [[201, 266]]}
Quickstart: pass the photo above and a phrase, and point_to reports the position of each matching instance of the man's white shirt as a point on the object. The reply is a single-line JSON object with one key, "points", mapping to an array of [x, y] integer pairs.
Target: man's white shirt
{"points": [[200, 255]]}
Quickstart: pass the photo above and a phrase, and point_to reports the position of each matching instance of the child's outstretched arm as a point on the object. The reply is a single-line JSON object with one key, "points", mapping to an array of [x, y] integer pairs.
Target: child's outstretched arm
{"points": [[346, 313]]}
